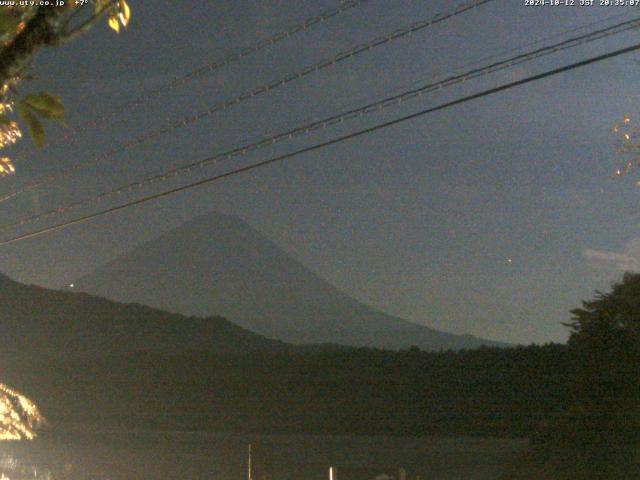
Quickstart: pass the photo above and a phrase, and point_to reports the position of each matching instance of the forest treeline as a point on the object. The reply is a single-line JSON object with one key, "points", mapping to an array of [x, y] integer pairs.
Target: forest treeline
{"points": [[132, 366], [488, 391]]}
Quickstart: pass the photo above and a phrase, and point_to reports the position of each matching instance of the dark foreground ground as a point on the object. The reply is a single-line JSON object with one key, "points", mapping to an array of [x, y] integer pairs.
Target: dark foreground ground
{"points": [[490, 391], [569, 462], [81, 453], [467, 412]]}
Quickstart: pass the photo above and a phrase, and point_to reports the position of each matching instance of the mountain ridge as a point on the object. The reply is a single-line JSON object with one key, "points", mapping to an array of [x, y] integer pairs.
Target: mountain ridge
{"points": [[43, 324], [219, 264]]}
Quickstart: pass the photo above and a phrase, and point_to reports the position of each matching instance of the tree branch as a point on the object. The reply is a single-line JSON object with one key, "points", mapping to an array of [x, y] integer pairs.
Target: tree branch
{"points": [[39, 31], [68, 35]]}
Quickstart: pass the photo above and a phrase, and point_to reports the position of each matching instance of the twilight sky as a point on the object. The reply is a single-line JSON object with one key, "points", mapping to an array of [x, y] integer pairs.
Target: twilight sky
{"points": [[493, 218]]}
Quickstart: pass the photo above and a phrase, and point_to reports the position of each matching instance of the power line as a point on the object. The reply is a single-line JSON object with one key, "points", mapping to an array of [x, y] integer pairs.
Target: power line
{"points": [[241, 54], [342, 117], [334, 141], [489, 58], [265, 88], [278, 37]]}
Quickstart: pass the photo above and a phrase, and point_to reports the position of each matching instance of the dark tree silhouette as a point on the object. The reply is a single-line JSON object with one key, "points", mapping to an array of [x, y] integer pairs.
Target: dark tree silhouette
{"points": [[597, 437], [605, 346]]}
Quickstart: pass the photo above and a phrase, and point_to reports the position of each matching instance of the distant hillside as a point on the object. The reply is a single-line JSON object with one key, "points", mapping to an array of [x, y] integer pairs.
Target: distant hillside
{"points": [[38, 323], [217, 264]]}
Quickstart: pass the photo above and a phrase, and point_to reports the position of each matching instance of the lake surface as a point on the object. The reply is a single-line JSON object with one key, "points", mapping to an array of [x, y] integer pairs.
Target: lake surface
{"points": [[82, 452]]}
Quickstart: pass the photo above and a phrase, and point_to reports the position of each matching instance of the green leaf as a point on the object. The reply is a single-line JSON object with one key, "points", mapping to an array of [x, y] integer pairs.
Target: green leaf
{"points": [[33, 124], [4, 120], [45, 105]]}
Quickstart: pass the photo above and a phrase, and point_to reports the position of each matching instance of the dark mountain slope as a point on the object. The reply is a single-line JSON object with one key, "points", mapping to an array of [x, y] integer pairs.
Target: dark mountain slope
{"points": [[39, 323], [217, 264]]}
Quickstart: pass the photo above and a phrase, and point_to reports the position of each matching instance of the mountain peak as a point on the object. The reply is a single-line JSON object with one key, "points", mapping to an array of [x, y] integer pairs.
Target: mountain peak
{"points": [[214, 219], [218, 264]]}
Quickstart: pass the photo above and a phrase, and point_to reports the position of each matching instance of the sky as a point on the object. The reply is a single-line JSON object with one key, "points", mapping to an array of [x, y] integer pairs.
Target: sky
{"points": [[495, 217]]}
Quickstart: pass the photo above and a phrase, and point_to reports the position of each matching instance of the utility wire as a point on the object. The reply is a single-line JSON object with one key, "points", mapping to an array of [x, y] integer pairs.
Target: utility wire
{"points": [[340, 118], [245, 52], [452, 72], [334, 141], [268, 87], [210, 67], [475, 63]]}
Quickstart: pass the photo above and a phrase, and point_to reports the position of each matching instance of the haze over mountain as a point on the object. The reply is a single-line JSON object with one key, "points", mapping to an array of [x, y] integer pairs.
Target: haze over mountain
{"points": [[38, 323], [218, 265]]}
